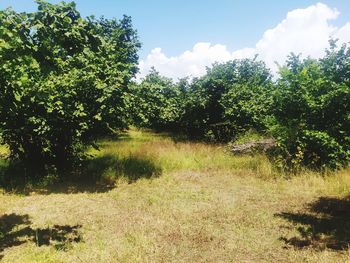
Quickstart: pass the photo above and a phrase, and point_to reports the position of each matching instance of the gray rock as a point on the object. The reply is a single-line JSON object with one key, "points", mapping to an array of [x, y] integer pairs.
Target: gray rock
{"points": [[251, 147]]}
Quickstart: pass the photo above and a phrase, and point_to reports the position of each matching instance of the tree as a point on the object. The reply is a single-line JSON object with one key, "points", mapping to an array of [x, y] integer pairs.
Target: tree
{"points": [[156, 102], [312, 110], [63, 79], [247, 102], [231, 98]]}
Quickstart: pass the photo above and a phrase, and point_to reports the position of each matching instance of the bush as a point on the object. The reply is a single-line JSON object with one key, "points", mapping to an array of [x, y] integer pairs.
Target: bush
{"points": [[156, 102], [231, 98], [63, 80], [312, 110]]}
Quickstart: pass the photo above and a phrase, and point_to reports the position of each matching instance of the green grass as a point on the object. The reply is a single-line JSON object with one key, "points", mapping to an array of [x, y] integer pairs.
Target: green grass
{"points": [[179, 202], [249, 136], [167, 155], [3, 150]]}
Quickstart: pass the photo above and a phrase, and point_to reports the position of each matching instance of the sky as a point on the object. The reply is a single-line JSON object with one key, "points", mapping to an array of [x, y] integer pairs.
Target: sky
{"points": [[181, 37]]}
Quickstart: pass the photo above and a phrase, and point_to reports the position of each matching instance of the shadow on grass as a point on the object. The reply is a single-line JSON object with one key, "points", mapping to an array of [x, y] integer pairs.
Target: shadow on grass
{"points": [[95, 175], [16, 230], [131, 167], [326, 224]]}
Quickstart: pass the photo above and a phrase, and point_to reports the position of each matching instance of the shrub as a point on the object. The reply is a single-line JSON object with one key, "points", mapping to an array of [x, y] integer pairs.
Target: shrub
{"points": [[231, 98], [156, 102], [312, 110], [63, 79]]}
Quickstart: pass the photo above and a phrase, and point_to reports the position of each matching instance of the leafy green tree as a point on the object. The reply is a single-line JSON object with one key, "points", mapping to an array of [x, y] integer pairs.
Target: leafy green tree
{"points": [[63, 79], [156, 102], [312, 110], [229, 99], [247, 102]]}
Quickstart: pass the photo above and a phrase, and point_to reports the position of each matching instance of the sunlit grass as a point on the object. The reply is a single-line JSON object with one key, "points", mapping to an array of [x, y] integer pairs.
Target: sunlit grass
{"points": [[3, 150], [180, 201], [168, 155]]}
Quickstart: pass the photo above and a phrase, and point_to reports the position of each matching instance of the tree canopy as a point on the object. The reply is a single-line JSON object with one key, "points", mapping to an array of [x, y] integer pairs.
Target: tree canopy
{"points": [[66, 80], [306, 109], [63, 80]]}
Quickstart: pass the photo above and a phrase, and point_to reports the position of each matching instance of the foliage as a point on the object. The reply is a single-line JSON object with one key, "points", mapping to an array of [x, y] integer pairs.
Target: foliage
{"points": [[312, 110], [229, 99], [232, 97], [247, 103], [63, 80], [156, 102], [66, 80], [306, 109]]}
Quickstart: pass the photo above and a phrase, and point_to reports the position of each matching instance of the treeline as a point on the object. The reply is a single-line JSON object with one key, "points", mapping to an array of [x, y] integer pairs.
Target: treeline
{"points": [[306, 109], [66, 80]]}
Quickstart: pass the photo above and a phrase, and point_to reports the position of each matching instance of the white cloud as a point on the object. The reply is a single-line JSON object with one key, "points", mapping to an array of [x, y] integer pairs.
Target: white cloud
{"points": [[305, 31], [190, 63], [343, 34]]}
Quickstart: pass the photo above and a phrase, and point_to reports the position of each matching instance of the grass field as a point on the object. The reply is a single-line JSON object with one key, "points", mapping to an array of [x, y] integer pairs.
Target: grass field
{"points": [[146, 197]]}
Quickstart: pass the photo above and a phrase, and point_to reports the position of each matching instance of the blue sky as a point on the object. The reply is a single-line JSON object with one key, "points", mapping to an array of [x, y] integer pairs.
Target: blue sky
{"points": [[178, 25]]}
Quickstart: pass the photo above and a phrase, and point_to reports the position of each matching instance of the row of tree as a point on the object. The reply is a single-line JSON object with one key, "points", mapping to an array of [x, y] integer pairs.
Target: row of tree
{"points": [[307, 109], [66, 80]]}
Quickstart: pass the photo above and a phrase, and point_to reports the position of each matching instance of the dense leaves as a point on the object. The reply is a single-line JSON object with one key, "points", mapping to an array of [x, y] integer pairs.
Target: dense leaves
{"points": [[156, 102], [312, 110], [63, 80], [307, 109], [231, 98]]}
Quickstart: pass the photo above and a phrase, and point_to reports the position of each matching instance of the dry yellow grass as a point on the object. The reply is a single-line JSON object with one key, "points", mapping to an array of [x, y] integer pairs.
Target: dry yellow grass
{"points": [[181, 202]]}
